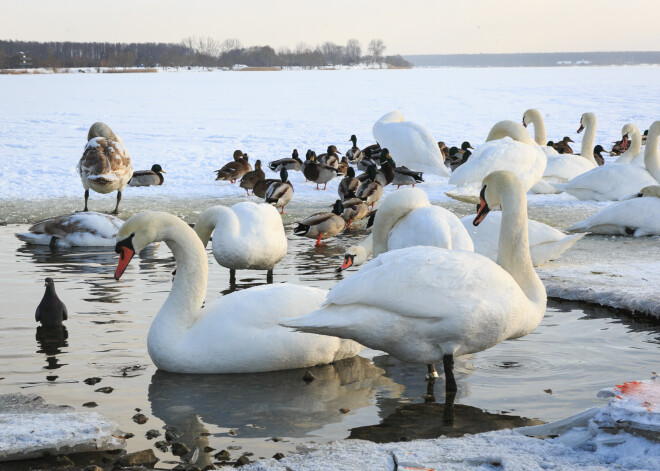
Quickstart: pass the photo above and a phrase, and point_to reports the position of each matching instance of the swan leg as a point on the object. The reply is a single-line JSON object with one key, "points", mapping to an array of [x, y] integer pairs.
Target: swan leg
{"points": [[429, 396], [432, 373], [450, 381], [232, 277], [86, 198], [116, 211], [269, 276]]}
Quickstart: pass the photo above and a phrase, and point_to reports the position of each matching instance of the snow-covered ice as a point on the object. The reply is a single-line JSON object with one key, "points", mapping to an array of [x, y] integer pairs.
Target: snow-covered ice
{"points": [[30, 428]]}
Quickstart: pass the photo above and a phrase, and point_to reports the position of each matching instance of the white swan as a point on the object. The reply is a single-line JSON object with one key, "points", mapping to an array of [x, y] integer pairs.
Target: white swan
{"points": [[564, 167], [247, 236], [613, 182], [638, 217], [237, 333], [406, 218], [410, 144], [545, 242], [634, 154], [533, 117], [521, 156], [424, 304], [85, 229]]}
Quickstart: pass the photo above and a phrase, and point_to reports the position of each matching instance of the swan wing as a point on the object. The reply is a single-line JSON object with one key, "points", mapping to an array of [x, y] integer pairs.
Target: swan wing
{"points": [[430, 225], [634, 214], [609, 182]]}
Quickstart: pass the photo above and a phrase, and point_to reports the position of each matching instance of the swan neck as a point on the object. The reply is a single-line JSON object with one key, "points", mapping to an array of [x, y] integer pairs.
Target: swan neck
{"points": [[587, 150], [363, 250], [651, 158], [511, 129], [393, 209], [634, 149], [217, 216], [182, 307], [513, 251], [540, 136]]}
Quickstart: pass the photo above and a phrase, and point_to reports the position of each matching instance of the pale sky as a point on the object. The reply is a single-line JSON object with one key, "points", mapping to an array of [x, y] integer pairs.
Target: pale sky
{"points": [[406, 26]]}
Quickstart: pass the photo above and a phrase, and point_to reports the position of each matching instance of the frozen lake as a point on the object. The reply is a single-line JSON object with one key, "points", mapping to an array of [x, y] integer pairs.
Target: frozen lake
{"points": [[190, 123]]}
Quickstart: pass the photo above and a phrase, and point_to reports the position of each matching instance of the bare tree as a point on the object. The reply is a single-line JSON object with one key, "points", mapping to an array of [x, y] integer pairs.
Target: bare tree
{"points": [[332, 53], [353, 51], [376, 49], [230, 44]]}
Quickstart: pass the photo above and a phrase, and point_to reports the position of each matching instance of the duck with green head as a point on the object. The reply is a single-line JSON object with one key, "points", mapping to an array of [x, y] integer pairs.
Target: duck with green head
{"points": [[321, 226], [280, 193], [148, 177], [354, 154]]}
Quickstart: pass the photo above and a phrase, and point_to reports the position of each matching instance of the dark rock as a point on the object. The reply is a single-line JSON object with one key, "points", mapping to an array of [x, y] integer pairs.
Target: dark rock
{"points": [[162, 445], [203, 434], [208, 467], [92, 467], [139, 458], [106, 390], [243, 460], [92, 381], [278, 456], [172, 433], [276, 439], [153, 433], [308, 377], [233, 432], [140, 419], [234, 447], [90, 404], [129, 435], [248, 453], [179, 449], [64, 461], [208, 449], [51, 378], [222, 456], [549, 391], [344, 411]]}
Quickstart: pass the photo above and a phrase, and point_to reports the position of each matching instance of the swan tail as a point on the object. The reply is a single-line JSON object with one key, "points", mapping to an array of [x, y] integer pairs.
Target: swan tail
{"points": [[543, 253]]}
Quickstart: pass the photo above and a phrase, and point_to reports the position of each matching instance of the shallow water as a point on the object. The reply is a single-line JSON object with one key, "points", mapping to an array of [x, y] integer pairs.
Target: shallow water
{"points": [[550, 374]]}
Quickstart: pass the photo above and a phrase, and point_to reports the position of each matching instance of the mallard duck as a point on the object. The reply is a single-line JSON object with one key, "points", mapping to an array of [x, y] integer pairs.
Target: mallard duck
{"points": [[51, 310], [644, 137], [148, 177], [330, 157], [319, 173], [308, 158], [370, 191], [563, 147], [322, 225], [236, 169], [252, 177], [444, 149], [105, 165], [349, 185], [398, 175], [280, 193], [343, 166], [354, 210], [464, 151], [367, 159], [292, 163], [354, 154], [600, 160]]}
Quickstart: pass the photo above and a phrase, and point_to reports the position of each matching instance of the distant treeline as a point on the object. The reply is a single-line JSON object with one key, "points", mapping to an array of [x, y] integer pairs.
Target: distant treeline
{"points": [[191, 52], [536, 59]]}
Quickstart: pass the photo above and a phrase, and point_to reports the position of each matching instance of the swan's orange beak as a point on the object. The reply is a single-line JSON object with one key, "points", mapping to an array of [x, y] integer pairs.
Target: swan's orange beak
{"points": [[126, 251], [348, 262], [524, 123], [580, 129], [482, 208]]}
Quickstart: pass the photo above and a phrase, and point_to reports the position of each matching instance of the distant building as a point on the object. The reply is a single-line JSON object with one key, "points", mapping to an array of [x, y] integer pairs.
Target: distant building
{"points": [[24, 61], [564, 62], [582, 62]]}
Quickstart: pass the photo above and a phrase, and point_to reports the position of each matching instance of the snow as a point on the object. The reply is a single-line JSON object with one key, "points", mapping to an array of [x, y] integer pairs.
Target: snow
{"points": [[624, 434], [30, 428], [193, 132]]}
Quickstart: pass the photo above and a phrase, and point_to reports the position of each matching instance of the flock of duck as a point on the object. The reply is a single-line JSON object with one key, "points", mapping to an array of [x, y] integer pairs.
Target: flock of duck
{"points": [[438, 286]]}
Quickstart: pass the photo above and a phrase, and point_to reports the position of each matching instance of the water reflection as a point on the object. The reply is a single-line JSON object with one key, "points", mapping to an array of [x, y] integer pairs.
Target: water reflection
{"points": [[271, 404], [50, 341]]}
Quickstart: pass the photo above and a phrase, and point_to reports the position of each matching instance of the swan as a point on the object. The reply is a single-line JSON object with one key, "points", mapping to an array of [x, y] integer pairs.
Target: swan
{"points": [[545, 242], [153, 177], [410, 143], [105, 165], [634, 154], [639, 216], [564, 167], [426, 304], [521, 155], [533, 117], [247, 236], [406, 218], [237, 333], [88, 229], [613, 182]]}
